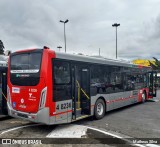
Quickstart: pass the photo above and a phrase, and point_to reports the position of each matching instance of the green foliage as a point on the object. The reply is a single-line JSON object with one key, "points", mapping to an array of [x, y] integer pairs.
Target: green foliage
{"points": [[154, 66], [1, 48], [157, 64]]}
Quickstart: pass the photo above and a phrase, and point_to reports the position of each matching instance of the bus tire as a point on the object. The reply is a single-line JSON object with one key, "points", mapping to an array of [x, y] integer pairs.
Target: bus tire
{"points": [[99, 109], [143, 97]]}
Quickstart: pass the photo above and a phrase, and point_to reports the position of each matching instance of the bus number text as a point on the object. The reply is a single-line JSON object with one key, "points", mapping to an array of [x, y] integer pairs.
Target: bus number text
{"points": [[63, 106]]}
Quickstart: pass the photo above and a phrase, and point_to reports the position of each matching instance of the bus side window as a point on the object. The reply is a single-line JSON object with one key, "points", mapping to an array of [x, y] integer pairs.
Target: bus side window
{"points": [[106, 79], [61, 80], [61, 73]]}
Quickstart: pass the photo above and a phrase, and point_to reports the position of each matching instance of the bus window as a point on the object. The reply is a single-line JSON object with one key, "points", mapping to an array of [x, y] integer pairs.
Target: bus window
{"points": [[25, 69], [61, 80], [116, 79], [106, 79], [97, 80], [134, 80], [27, 61], [61, 72]]}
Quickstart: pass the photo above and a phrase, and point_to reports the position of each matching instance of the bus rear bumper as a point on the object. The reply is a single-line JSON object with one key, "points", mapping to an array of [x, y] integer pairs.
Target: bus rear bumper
{"points": [[42, 116]]}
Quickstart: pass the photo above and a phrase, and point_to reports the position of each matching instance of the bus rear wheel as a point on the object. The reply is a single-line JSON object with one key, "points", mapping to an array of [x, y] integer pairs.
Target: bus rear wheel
{"points": [[99, 109]]}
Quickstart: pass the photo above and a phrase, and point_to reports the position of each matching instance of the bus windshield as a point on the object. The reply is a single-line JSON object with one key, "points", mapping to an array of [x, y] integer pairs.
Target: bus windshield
{"points": [[25, 68]]}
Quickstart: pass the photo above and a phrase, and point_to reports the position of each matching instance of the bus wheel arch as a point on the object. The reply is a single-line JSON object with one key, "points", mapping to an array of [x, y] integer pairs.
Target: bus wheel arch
{"points": [[144, 96], [100, 108]]}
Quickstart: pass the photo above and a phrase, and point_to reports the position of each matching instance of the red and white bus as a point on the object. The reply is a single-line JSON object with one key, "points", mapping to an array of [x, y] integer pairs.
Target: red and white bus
{"points": [[3, 86], [48, 87]]}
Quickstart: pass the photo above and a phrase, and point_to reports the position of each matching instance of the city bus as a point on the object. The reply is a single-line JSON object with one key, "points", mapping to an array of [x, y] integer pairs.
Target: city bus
{"points": [[3, 85], [51, 87]]}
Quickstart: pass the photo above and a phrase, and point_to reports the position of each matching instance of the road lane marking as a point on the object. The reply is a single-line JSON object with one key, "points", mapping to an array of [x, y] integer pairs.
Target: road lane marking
{"points": [[73, 131], [68, 131], [116, 136], [104, 132], [16, 128], [152, 145], [113, 135], [79, 131]]}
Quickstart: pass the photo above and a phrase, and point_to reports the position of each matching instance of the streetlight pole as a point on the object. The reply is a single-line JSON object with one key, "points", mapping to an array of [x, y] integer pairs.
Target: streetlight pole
{"points": [[64, 32], [116, 25], [59, 47]]}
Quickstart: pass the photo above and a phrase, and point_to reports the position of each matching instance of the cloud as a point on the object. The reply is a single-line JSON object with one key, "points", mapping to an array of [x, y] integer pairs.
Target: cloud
{"points": [[36, 23], [145, 42]]}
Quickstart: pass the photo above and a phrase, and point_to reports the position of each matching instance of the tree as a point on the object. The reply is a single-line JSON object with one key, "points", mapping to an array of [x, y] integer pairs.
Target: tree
{"points": [[1, 48], [157, 64], [154, 66]]}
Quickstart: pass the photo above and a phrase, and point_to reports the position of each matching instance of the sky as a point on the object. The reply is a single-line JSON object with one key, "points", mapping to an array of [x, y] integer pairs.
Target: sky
{"points": [[35, 23]]}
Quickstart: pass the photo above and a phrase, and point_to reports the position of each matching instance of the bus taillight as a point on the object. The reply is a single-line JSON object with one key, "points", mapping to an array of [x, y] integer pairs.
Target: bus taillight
{"points": [[9, 96], [43, 98]]}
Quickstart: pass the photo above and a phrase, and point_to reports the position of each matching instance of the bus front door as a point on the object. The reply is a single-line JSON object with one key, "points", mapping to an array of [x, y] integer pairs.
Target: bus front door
{"points": [[152, 83], [80, 91], [85, 91]]}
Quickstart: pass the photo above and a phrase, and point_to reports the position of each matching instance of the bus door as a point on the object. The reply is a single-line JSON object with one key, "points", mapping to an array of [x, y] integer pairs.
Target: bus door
{"points": [[152, 83], [3, 90], [81, 91]]}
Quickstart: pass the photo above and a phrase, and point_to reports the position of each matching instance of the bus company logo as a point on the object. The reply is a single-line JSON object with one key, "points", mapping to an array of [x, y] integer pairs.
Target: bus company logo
{"points": [[22, 100], [30, 95], [22, 75], [17, 75]]}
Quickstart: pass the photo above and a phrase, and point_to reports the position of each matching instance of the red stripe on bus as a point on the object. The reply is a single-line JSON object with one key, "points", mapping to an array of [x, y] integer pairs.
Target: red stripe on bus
{"points": [[120, 99], [62, 112]]}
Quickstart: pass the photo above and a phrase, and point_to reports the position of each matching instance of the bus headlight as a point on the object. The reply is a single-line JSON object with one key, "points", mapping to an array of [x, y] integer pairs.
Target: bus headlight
{"points": [[43, 98]]}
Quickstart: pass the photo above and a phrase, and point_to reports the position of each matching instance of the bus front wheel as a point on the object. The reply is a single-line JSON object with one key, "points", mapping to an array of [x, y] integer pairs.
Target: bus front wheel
{"points": [[99, 109]]}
